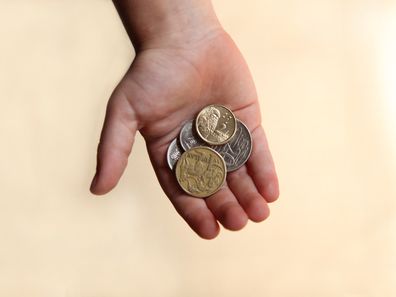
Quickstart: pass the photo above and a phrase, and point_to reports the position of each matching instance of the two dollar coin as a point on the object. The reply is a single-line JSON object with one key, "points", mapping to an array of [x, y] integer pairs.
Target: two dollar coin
{"points": [[207, 148]]}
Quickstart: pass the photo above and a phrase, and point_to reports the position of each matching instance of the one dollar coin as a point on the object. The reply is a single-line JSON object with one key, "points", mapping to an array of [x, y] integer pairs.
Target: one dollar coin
{"points": [[201, 171]]}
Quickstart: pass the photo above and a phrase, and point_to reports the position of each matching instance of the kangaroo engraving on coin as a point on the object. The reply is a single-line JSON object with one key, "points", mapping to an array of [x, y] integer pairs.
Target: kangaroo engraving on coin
{"points": [[236, 152], [201, 171], [189, 137], [173, 154], [216, 124]]}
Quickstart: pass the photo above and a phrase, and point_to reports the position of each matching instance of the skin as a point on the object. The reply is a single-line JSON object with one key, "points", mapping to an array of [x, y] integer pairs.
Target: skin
{"points": [[184, 62]]}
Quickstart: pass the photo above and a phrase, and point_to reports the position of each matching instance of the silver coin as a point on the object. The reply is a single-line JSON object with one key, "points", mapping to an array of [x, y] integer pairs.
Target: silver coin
{"points": [[174, 153], [236, 152], [189, 137]]}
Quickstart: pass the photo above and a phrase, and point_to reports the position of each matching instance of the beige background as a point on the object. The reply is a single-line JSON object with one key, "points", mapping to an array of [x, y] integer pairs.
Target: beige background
{"points": [[326, 75]]}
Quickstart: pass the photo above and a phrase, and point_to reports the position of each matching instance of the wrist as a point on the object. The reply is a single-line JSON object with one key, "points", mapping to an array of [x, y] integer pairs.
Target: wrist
{"points": [[156, 23]]}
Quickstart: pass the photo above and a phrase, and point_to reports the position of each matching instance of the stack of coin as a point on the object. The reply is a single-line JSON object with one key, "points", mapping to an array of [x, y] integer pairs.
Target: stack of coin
{"points": [[215, 143]]}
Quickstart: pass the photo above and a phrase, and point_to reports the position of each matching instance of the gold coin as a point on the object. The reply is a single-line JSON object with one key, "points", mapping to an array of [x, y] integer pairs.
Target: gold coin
{"points": [[201, 171], [216, 124]]}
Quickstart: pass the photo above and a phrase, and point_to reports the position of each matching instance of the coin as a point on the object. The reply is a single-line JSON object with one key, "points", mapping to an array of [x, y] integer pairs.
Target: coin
{"points": [[174, 153], [216, 124], [201, 171], [189, 137], [237, 151]]}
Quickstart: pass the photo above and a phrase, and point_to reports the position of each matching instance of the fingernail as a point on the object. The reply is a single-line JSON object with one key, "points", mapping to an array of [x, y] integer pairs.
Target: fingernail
{"points": [[94, 181], [272, 192]]}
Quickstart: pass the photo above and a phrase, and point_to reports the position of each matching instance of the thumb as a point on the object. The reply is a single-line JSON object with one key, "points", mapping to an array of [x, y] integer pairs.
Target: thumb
{"points": [[115, 144]]}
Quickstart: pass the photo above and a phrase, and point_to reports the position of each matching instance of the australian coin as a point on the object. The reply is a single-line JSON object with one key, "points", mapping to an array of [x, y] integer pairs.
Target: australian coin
{"points": [[237, 151], [174, 153], [216, 124], [201, 171], [189, 137]]}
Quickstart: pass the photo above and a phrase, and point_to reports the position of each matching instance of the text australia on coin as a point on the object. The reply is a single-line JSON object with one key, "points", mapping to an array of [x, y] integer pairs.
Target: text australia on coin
{"points": [[174, 153], [216, 124], [201, 171], [238, 150]]}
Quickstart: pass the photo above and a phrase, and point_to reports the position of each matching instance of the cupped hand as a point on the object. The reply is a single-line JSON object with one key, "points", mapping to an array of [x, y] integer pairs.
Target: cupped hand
{"points": [[168, 85]]}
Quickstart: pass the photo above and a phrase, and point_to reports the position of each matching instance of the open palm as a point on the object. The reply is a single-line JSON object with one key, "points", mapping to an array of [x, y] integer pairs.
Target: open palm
{"points": [[165, 87]]}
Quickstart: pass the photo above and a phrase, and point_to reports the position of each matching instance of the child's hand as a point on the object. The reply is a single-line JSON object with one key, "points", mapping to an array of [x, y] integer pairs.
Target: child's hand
{"points": [[168, 84]]}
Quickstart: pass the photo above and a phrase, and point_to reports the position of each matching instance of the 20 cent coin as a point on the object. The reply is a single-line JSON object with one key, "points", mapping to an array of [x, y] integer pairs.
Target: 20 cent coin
{"points": [[237, 151]]}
